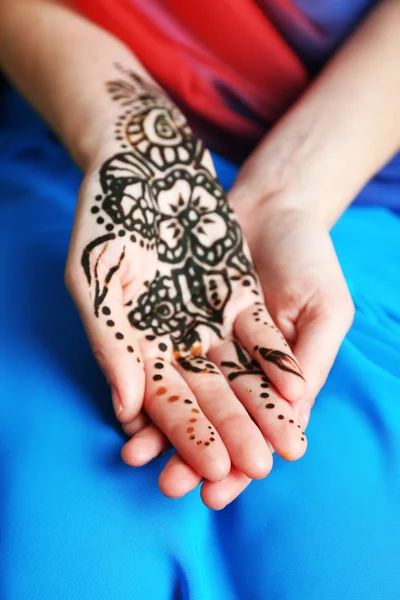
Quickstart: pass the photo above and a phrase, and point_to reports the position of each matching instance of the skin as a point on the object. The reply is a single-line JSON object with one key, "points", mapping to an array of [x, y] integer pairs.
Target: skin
{"points": [[298, 181], [175, 355]]}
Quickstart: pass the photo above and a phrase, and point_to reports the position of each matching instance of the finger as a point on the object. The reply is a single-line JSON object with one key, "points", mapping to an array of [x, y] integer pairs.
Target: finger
{"points": [[216, 495], [242, 438], [138, 423], [178, 479], [144, 446], [172, 406], [320, 336], [100, 304], [114, 344], [272, 413], [259, 335]]}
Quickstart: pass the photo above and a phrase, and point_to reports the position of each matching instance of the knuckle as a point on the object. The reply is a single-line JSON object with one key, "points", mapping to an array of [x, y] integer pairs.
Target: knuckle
{"points": [[215, 385]]}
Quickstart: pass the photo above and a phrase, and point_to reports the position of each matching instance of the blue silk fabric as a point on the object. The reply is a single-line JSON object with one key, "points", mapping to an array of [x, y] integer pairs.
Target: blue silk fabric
{"points": [[78, 524]]}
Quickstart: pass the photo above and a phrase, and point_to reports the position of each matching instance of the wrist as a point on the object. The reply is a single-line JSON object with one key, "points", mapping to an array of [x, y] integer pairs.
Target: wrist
{"points": [[252, 202], [89, 141]]}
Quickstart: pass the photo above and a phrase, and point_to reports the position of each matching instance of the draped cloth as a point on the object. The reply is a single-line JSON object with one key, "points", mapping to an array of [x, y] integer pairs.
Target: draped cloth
{"points": [[78, 524], [233, 66]]}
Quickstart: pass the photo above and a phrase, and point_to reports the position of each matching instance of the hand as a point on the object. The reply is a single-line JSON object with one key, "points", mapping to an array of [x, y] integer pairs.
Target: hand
{"points": [[307, 296], [304, 288], [166, 289]]}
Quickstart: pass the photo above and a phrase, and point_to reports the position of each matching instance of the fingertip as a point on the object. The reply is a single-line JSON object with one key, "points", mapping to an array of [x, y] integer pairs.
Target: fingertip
{"points": [[177, 479], [294, 450], [217, 496], [260, 467], [218, 469], [136, 454]]}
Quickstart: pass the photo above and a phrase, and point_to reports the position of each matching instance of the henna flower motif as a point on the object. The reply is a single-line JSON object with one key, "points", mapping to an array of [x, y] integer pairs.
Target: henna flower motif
{"points": [[194, 218]]}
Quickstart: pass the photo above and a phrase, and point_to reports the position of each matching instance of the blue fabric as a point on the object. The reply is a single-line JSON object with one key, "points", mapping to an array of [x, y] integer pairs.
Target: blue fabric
{"points": [[77, 524]]}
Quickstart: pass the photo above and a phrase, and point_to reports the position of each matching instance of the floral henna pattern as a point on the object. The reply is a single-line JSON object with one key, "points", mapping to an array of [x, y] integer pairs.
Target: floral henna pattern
{"points": [[157, 192], [198, 222]]}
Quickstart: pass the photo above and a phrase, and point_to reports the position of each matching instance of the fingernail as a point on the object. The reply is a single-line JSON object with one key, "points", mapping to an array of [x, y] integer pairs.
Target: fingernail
{"points": [[118, 408], [305, 414]]}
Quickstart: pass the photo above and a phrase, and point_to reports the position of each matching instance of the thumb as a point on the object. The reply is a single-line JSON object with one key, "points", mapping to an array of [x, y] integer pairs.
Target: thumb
{"points": [[321, 330], [115, 347]]}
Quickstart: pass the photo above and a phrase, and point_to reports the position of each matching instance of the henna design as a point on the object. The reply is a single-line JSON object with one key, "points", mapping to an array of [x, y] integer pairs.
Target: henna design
{"points": [[157, 193], [197, 364], [161, 194], [101, 295], [280, 359], [246, 366], [86, 253], [191, 428], [154, 125]]}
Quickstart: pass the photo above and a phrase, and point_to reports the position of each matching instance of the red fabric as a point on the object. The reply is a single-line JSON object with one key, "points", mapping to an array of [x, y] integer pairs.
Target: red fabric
{"points": [[246, 79]]}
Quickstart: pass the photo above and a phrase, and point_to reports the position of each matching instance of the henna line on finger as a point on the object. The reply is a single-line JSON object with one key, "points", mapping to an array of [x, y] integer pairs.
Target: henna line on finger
{"points": [[85, 260], [282, 360], [247, 366], [99, 298]]}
